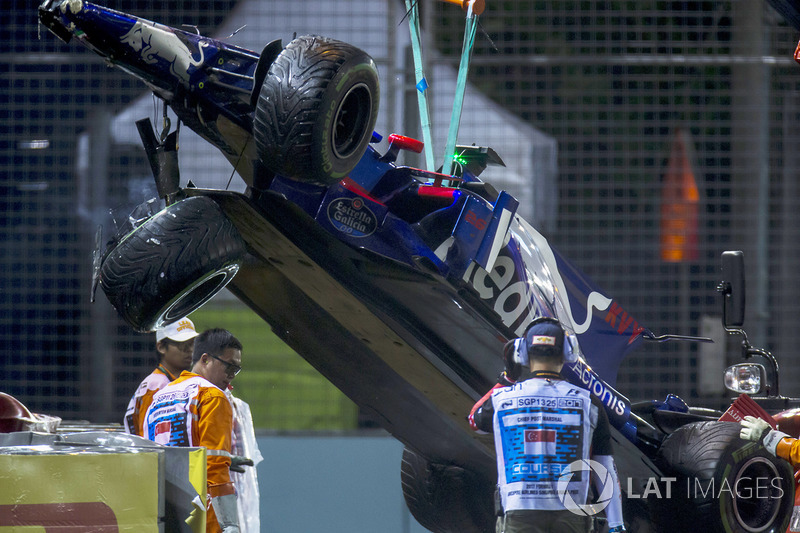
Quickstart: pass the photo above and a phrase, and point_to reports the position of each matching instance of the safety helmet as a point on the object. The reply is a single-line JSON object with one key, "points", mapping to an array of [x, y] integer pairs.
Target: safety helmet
{"points": [[13, 415]]}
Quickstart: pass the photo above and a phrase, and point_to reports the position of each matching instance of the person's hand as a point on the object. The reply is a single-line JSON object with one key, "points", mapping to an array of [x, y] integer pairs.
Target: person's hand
{"points": [[753, 428], [758, 430], [238, 462]]}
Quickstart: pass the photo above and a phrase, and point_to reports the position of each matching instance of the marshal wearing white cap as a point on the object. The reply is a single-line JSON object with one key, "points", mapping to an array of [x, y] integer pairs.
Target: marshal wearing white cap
{"points": [[180, 331], [174, 344]]}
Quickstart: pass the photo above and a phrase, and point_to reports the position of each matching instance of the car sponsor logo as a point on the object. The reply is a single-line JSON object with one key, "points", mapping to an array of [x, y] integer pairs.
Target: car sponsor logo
{"points": [[603, 392], [352, 216], [616, 312], [506, 290], [154, 43]]}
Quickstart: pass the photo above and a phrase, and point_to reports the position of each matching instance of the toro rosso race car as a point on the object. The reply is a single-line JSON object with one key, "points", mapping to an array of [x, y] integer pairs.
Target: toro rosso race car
{"points": [[400, 285]]}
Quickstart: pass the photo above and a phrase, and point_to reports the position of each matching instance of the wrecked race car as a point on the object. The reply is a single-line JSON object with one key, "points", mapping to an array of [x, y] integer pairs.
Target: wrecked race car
{"points": [[400, 285]]}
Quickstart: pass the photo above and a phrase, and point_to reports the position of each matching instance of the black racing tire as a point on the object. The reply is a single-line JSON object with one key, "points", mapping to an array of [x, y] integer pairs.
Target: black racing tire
{"points": [[446, 498], [316, 110], [751, 491], [172, 264]]}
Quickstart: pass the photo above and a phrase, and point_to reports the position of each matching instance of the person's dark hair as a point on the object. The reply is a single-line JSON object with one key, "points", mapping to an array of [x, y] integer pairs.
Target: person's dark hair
{"points": [[214, 342], [159, 355]]}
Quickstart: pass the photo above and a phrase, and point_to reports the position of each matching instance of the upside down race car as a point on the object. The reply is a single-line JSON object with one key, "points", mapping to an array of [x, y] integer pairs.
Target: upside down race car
{"points": [[400, 285]]}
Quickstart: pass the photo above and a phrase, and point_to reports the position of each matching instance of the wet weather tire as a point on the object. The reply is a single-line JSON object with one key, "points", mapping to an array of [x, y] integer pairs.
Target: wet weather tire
{"points": [[316, 110], [172, 264], [446, 498], [723, 482]]}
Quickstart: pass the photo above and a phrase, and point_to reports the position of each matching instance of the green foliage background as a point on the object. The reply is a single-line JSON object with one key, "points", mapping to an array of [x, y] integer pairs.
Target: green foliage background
{"points": [[283, 390]]}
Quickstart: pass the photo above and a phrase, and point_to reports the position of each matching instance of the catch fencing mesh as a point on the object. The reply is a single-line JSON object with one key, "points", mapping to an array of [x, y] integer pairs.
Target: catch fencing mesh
{"points": [[612, 88]]}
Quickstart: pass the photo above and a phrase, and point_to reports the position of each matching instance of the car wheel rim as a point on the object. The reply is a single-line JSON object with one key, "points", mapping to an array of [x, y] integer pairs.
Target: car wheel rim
{"points": [[756, 501], [196, 295], [351, 120]]}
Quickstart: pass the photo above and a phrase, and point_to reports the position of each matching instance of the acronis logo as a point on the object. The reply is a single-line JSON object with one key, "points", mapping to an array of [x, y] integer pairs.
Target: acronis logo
{"points": [[614, 402]]}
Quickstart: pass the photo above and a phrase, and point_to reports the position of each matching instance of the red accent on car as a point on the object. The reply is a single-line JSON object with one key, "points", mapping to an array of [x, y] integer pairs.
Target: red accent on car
{"points": [[406, 143], [433, 191], [354, 187]]}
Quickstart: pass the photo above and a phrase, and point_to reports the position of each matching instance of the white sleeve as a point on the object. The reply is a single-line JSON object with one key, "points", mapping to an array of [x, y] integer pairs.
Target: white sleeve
{"points": [[614, 508]]}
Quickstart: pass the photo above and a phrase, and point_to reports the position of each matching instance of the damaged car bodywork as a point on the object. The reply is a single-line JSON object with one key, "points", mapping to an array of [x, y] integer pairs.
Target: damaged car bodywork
{"points": [[400, 285]]}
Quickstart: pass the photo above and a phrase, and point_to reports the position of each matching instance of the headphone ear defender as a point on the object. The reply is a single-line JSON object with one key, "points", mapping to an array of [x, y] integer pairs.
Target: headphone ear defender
{"points": [[568, 341], [515, 351], [515, 357], [571, 349]]}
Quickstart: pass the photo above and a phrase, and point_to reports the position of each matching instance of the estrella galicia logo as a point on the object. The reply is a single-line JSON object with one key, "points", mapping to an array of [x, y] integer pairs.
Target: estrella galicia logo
{"points": [[351, 216]]}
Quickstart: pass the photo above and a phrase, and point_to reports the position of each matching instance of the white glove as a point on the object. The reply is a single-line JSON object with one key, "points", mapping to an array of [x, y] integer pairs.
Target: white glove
{"points": [[759, 430], [753, 428]]}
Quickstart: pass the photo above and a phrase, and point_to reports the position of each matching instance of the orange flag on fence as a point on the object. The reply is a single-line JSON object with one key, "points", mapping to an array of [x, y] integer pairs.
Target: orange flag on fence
{"points": [[679, 203]]}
